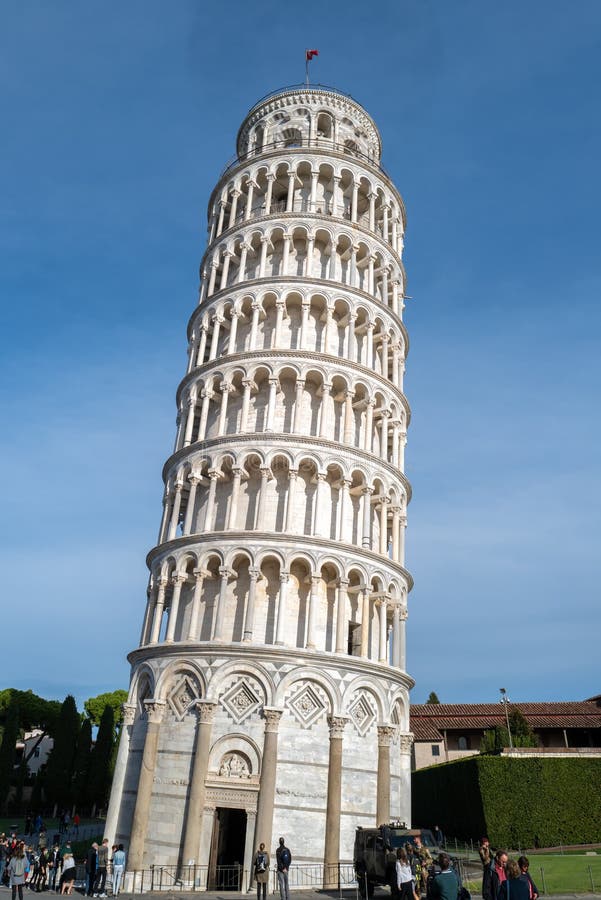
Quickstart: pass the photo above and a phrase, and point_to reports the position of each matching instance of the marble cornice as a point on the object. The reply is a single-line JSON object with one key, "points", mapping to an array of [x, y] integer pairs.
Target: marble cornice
{"points": [[249, 652], [275, 538], [324, 287], [312, 355], [277, 439]]}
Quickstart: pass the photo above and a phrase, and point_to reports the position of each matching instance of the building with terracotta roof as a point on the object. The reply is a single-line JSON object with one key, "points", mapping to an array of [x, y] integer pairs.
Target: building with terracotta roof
{"points": [[448, 731]]}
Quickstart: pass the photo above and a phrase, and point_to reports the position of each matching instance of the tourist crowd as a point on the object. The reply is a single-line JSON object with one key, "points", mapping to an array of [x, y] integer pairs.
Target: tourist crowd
{"points": [[44, 868]]}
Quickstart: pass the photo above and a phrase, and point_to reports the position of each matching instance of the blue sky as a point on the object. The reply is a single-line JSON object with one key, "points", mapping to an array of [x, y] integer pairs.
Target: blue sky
{"points": [[116, 123]]}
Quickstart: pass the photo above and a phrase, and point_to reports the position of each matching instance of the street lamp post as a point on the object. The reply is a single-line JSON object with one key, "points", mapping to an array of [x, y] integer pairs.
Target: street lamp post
{"points": [[505, 701]]}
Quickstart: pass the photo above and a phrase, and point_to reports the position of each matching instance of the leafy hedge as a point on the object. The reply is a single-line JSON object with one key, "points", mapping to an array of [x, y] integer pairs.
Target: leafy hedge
{"points": [[516, 802]]}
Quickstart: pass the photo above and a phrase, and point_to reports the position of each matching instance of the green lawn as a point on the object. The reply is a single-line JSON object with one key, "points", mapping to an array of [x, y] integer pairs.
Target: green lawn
{"points": [[567, 874]]}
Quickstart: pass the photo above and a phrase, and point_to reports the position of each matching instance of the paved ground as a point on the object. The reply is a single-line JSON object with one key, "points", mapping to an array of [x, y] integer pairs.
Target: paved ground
{"points": [[348, 894]]}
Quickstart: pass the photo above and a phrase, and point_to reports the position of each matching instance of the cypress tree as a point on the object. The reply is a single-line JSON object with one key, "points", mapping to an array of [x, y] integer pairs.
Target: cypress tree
{"points": [[99, 779], [81, 765], [59, 773], [7, 752]]}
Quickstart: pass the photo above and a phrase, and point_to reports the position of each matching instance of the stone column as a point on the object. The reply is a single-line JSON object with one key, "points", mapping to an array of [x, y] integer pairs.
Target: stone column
{"points": [[292, 473], [234, 496], [199, 575], [366, 531], [285, 254], [406, 745], [217, 322], [150, 602], [341, 616], [194, 482], [231, 344], [312, 613], [263, 833], [249, 200], [321, 507], [298, 404], [383, 526], [202, 345], [385, 736], [225, 573], [403, 616], [204, 414], [279, 317], [225, 389], [213, 276], [254, 325], [365, 595], [263, 258], [349, 418], [402, 530], [314, 178], [382, 612], [139, 829], [396, 636], [309, 256], [345, 509], [369, 425], [268, 193], [175, 511], [384, 434], [158, 611], [247, 383], [281, 624], [396, 518], [189, 420], [260, 520], [331, 854], [208, 523], [372, 211], [221, 215], [354, 199], [325, 421], [112, 819], [273, 387], [233, 207], [305, 309], [290, 195], [249, 619], [202, 745], [178, 580]]}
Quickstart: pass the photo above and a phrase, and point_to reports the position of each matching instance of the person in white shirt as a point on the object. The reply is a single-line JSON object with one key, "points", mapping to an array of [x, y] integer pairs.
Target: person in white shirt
{"points": [[404, 877]]}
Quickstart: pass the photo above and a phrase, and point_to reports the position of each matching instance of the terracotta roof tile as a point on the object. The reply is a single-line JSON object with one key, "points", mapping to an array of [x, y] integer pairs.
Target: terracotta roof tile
{"points": [[429, 720]]}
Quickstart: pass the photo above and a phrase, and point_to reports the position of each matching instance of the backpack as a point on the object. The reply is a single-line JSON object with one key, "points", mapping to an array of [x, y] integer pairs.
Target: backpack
{"points": [[261, 864], [285, 858]]}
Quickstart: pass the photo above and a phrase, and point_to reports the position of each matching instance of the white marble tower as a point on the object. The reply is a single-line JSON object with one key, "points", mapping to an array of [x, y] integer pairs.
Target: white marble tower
{"points": [[269, 694]]}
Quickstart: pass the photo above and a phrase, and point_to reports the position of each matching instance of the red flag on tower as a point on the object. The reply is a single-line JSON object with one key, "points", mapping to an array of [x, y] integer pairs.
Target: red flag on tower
{"points": [[309, 54]]}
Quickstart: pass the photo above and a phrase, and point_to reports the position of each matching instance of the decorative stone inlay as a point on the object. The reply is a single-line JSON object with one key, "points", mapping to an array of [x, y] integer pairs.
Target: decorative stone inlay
{"points": [[306, 705], [240, 701], [234, 765], [182, 697], [362, 714]]}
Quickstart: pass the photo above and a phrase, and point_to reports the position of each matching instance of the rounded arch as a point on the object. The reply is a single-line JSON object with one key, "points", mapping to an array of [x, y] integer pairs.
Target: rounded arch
{"points": [[319, 678]]}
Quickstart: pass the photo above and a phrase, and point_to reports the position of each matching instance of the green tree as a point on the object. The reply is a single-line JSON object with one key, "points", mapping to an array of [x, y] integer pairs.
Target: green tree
{"points": [[59, 772], [494, 740], [99, 779], [433, 697], [95, 706], [34, 712], [81, 764], [521, 732], [7, 753]]}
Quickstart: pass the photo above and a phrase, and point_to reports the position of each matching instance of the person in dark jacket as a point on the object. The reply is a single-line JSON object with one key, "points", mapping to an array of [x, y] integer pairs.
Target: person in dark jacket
{"points": [[494, 876], [524, 864], [91, 866], [284, 858]]}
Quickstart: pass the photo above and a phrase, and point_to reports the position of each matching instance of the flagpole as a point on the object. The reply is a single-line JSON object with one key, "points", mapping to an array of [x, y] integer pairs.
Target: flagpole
{"points": [[306, 67]]}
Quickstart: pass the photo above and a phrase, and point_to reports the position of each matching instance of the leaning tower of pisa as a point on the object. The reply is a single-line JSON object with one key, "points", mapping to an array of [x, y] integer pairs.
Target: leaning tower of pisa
{"points": [[268, 693]]}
